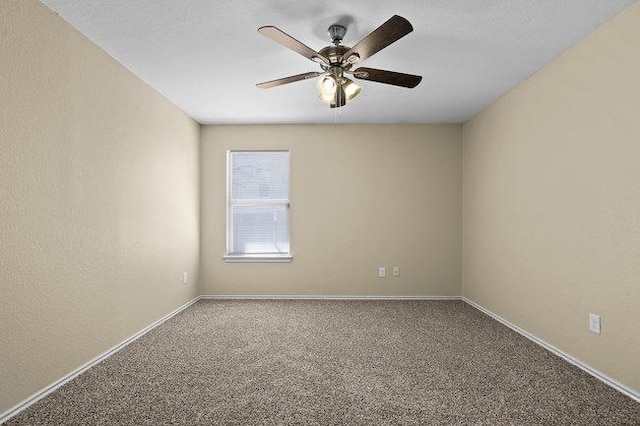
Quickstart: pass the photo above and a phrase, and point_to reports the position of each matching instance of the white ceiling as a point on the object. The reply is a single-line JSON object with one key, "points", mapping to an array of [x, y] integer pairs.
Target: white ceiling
{"points": [[206, 56]]}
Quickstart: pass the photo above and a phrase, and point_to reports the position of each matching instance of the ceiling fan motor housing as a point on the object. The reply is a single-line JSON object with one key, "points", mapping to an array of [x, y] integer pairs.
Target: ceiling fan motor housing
{"points": [[335, 53]]}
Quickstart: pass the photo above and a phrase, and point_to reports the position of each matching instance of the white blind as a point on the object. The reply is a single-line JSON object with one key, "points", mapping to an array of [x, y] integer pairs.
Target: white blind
{"points": [[258, 202]]}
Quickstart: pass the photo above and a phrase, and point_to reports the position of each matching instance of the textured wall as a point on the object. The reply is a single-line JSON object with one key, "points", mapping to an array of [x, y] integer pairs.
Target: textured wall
{"points": [[552, 201], [362, 197], [98, 201]]}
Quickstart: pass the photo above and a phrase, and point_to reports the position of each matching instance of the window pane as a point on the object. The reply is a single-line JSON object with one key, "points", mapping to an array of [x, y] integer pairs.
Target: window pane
{"points": [[258, 202], [260, 229], [259, 175]]}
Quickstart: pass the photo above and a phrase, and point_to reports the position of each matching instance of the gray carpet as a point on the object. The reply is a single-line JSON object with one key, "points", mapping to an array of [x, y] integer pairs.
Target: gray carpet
{"points": [[333, 363]]}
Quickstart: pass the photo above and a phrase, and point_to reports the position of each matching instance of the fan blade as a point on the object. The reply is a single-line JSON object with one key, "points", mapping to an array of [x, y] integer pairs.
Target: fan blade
{"points": [[287, 80], [389, 32], [287, 41], [388, 77]]}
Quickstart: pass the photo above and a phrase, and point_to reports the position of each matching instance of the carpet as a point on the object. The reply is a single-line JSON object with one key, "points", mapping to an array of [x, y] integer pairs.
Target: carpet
{"points": [[332, 362]]}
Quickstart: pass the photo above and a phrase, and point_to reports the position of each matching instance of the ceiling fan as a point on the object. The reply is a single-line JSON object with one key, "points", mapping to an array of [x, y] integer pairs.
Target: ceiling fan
{"points": [[336, 61]]}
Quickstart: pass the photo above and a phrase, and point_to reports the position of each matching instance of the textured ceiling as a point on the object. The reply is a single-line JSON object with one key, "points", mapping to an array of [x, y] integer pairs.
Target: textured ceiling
{"points": [[206, 56]]}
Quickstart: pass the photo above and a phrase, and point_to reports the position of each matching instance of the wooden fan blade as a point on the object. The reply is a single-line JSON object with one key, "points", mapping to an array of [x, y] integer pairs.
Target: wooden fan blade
{"points": [[286, 40], [287, 80], [389, 32], [388, 77]]}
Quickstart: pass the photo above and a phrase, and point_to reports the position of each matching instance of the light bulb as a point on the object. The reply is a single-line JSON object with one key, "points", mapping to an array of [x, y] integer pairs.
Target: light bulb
{"points": [[328, 84], [351, 89]]}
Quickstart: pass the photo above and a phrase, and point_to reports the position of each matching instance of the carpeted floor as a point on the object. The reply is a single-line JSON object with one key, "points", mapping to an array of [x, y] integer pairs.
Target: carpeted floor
{"points": [[333, 363]]}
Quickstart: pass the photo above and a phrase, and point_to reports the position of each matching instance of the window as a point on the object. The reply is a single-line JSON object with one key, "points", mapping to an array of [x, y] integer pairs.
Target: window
{"points": [[258, 206]]}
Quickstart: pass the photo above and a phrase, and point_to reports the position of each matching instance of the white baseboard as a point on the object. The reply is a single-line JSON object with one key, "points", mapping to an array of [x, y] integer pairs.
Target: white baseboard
{"points": [[63, 380], [631, 393], [321, 297]]}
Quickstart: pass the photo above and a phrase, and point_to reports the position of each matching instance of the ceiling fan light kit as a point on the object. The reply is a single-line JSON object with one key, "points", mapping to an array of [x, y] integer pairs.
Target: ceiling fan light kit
{"points": [[337, 60], [335, 89]]}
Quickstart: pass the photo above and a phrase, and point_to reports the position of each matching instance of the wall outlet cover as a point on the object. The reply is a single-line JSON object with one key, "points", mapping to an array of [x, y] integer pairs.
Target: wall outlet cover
{"points": [[594, 323]]}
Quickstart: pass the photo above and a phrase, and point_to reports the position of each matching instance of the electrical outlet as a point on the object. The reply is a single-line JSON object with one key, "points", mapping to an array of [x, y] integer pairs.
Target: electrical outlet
{"points": [[382, 272], [594, 323], [396, 271], [184, 278]]}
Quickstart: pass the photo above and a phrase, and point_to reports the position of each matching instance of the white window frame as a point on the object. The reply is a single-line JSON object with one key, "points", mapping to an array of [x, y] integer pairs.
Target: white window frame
{"points": [[255, 257]]}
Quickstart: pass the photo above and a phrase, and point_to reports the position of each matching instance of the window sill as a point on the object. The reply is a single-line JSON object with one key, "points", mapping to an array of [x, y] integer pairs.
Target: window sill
{"points": [[258, 258]]}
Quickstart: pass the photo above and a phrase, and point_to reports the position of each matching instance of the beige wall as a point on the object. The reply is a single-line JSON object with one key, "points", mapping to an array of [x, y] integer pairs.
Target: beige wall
{"points": [[362, 197], [98, 201], [552, 201]]}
